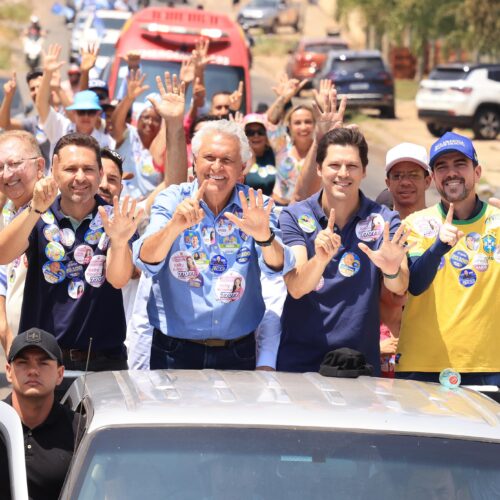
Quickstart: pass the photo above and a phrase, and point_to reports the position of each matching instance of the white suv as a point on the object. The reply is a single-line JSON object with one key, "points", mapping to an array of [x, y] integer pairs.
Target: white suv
{"points": [[461, 95]]}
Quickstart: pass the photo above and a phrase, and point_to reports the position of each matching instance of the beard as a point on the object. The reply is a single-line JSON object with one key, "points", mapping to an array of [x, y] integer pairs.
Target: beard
{"points": [[458, 192]]}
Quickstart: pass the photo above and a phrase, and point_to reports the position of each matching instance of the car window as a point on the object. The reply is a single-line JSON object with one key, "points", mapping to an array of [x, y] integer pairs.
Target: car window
{"points": [[248, 464], [448, 74], [494, 74], [108, 23], [107, 49], [324, 48], [358, 64]]}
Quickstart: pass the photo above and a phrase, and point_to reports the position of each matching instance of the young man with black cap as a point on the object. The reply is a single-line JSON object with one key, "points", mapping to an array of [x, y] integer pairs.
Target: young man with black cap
{"points": [[34, 368], [450, 319]]}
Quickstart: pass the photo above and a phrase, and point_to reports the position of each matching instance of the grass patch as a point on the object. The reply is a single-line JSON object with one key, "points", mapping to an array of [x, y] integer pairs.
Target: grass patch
{"points": [[269, 45], [15, 11], [406, 90], [5, 62]]}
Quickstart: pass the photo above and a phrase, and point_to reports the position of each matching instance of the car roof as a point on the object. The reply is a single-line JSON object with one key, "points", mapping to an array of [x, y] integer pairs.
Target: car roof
{"points": [[278, 399], [353, 54], [465, 66]]}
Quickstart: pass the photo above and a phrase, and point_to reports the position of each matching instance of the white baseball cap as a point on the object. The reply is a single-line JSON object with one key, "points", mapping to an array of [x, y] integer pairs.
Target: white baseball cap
{"points": [[407, 151]]}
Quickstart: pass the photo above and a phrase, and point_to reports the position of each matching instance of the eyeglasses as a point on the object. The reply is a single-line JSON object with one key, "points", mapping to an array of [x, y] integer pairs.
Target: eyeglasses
{"points": [[13, 166], [252, 132], [413, 176], [86, 112]]}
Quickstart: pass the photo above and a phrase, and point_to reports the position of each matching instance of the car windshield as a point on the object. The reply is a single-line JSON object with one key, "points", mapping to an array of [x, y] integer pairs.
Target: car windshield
{"points": [[358, 64], [264, 3], [217, 78], [109, 23], [248, 464], [107, 49], [324, 48], [448, 74]]}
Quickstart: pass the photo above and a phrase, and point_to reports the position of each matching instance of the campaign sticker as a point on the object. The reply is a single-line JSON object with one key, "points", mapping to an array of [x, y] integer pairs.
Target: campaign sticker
{"points": [[230, 287], [371, 228], [489, 243], [496, 255], [244, 236], [103, 242], [218, 264], [74, 269], [55, 251], [54, 272], [480, 262], [192, 240], [459, 259], [208, 235], [492, 222], [95, 274], [307, 223], [83, 254], [182, 266], [92, 236], [201, 260], [441, 263], [76, 288], [467, 278], [196, 282], [67, 237], [472, 241], [349, 264], [48, 217], [224, 227], [427, 226], [229, 244], [320, 284], [243, 255], [96, 222], [51, 232]]}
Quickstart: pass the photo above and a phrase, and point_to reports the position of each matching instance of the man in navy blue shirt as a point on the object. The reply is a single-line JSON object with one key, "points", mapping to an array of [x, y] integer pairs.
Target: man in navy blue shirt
{"points": [[344, 245]]}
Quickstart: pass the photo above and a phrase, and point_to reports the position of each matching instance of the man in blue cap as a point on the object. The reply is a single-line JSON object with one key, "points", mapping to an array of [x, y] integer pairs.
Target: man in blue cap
{"points": [[86, 108], [450, 318]]}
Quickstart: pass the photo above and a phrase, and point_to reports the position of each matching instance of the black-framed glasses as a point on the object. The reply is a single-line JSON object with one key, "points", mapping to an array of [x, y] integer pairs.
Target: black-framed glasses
{"points": [[252, 132]]}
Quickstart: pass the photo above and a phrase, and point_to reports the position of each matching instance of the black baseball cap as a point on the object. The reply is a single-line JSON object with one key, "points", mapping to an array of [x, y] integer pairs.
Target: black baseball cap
{"points": [[36, 337]]}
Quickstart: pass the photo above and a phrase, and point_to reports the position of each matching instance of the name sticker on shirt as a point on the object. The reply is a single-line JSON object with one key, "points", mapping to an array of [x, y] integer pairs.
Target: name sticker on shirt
{"points": [[349, 264], [459, 259], [201, 260], [480, 262], [51, 232], [371, 228], [229, 244], [230, 287], [427, 226], [192, 240], [218, 264], [67, 237], [55, 251], [183, 266], [467, 278], [74, 269], [243, 255], [54, 272], [208, 235], [95, 274], [307, 223], [224, 227], [92, 236], [472, 241], [83, 254], [76, 287]]}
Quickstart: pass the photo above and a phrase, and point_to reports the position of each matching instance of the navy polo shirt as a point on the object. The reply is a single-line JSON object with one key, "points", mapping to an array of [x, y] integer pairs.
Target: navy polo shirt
{"points": [[71, 297], [343, 311]]}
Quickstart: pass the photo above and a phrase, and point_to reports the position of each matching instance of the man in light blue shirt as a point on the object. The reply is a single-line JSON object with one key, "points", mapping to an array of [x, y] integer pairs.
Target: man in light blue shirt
{"points": [[205, 248]]}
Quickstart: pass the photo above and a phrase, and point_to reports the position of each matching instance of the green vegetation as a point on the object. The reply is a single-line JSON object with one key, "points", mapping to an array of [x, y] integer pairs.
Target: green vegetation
{"points": [[15, 11], [269, 45], [406, 90], [5, 57], [13, 15]]}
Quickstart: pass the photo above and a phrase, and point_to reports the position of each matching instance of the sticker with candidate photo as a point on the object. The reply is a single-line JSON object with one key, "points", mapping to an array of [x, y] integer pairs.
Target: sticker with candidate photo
{"points": [[229, 287], [67, 237], [48, 217], [92, 236], [218, 264], [489, 243], [320, 284], [229, 244], [95, 274], [349, 264], [96, 222], [243, 255], [74, 269], [51, 232], [83, 254], [427, 226], [55, 251], [103, 242], [480, 262], [201, 260], [472, 241], [183, 266], [307, 223], [208, 235], [467, 278], [459, 259], [492, 222], [76, 287], [371, 228], [192, 240], [54, 272], [224, 227]]}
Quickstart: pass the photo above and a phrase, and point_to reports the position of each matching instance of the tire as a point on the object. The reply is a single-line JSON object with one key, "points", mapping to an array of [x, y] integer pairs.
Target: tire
{"points": [[486, 124], [436, 130], [388, 112]]}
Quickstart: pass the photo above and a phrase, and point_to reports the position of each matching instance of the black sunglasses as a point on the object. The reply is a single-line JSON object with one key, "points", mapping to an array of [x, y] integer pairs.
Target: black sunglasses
{"points": [[251, 133], [89, 112]]}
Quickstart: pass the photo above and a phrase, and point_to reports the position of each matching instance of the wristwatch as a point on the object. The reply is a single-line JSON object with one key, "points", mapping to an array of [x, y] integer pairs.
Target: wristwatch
{"points": [[268, 242]]}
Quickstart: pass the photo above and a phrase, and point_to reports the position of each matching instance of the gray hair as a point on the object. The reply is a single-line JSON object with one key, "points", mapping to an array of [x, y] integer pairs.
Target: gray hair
{"points": [[226, 127]]}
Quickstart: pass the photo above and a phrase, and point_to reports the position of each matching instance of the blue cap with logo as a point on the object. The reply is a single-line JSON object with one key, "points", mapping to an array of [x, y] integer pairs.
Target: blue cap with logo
{"points": [[85, 100], [450, 143]]}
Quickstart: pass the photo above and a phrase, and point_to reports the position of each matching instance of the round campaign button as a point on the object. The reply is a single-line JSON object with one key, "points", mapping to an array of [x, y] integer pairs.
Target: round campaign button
{"points": [[95, 274], [480, 262], [92, 236], [243, 255], [230, 244], [492, 222], [229, 287], [96, 222], [467, 277], [83, 254], [76, 288], [320, 284], [307, 223], [74, 269], [489, 243], [51, 232], [201, 260], [349, 264], [208, 235], [67, 237], [183, 266], [54, 272], [472, 241], [218, 264], [371, 228], [459, 259], [48, 217], [427, 226], [224, 227], [192, 240], [103, 242], [54, 251]]}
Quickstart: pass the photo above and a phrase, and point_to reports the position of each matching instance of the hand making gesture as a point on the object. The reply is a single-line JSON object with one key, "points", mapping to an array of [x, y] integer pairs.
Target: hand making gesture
{"points": [[236, 98], [122, 224], [448, 233], [173, 98], [44, 193], [135, 84], [188, 212], [51, 62], [10, 86], [327, 242], [288, 87], [88, 56], [325, 111]]}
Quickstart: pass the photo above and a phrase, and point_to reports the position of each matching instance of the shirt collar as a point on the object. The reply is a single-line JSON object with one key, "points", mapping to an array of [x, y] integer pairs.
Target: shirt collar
{"points": [[59, 214], [475, 212]]}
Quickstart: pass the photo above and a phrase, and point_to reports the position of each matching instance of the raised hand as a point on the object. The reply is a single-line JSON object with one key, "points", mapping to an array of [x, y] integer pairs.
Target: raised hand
{"points": [[288, 87], [391, 253], [448, 233], [199, 94], [327, 242], [237, 118], [44, 193], [200, 55], [173, 98], [133, 60], [325, 111], [88, 56], [187, 72], [495, 202], [122, 225], [9, 87], [188, 212], [135, 84], [255, 220], [51, 60], [236, 97], [55, 81]]}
